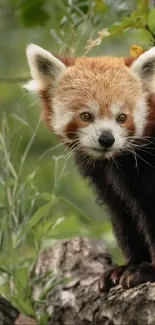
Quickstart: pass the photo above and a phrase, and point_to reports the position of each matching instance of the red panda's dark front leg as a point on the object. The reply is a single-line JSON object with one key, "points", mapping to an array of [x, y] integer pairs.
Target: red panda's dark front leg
{"points": [[139, 249], [134, 249]]}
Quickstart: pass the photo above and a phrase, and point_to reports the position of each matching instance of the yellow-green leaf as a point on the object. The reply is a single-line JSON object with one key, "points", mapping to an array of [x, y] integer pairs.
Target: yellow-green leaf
{"points": [[151, 21]]}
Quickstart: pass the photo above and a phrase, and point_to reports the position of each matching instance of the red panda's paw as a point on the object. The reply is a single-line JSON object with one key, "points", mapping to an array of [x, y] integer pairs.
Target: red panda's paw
{"points": [[137, 274], [112, 277]]}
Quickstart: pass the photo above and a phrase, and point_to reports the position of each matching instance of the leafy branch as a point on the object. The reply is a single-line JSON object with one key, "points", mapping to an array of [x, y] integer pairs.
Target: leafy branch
{"points": [[143, 18]]}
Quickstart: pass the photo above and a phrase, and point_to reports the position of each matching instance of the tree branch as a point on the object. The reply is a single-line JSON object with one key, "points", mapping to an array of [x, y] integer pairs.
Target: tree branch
{"points": [[14, 79], [79, 301]]}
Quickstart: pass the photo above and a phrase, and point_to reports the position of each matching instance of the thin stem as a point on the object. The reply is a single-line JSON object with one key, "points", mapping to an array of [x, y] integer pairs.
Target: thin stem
{"points": [[14, 79]]}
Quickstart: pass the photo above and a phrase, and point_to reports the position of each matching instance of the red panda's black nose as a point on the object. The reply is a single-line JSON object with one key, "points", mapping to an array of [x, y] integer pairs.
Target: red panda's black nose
{"points": [[106, 139]]}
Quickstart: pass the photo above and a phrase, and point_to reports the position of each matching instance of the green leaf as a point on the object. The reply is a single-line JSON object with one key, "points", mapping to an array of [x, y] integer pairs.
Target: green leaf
{"points": [[82, 215], [24, 305], [39, 214], [42, 317], [99, 228], [114, 28], [22, 295], [50, 284], [151, 21], [47, 196], [22, 277], [36, 218], [135, 21], [63, 8], [100, 7], [68, 227]]}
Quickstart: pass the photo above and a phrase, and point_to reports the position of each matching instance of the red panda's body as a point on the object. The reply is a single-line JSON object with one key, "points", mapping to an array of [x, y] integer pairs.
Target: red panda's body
{"points": [[104, 110]]}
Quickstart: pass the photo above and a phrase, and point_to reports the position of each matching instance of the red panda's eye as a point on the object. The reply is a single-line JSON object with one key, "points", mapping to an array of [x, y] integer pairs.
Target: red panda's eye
{"points": [[86, 117], [121, 118]]}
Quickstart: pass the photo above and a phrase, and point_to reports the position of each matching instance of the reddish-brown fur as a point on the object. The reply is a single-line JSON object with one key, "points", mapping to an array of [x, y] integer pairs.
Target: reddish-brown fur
{"points": [[128, 186], [91, 81], [47, 109], [72, 127], [67, 61], [44, 94], [151, 117]]}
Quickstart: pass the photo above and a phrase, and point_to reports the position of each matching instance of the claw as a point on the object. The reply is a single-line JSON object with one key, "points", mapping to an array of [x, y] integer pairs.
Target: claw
{"points": [[136, 275], [111, 278]]}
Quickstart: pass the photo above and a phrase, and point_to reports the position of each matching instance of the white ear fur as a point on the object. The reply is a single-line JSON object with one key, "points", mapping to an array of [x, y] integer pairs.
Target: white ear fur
{"points": [[144, 68], [44, 67]]}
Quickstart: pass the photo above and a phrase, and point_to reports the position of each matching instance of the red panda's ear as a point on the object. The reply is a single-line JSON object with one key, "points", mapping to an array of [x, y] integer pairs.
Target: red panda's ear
{"points": [[144, 68], [44, 67], [129, 60]]}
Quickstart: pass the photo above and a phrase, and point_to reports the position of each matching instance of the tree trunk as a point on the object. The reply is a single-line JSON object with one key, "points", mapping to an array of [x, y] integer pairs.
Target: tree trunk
{"points": [[79, 301]]}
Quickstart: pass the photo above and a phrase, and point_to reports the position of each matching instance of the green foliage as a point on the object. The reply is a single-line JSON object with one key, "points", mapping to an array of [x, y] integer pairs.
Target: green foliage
{"points": [[31, 220], [141, 18], [31, 13], [22, 291], [151, 21], [42, 197]]}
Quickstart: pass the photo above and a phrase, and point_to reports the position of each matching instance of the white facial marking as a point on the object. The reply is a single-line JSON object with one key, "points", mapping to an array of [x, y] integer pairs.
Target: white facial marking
{"points": [[94, 108], [61, 118], [140, 117], [115, 108], [31, 85], [90, 135]]}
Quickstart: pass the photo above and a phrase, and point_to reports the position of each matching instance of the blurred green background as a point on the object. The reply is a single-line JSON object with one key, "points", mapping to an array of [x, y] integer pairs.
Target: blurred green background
{"points": [[42, 197]]}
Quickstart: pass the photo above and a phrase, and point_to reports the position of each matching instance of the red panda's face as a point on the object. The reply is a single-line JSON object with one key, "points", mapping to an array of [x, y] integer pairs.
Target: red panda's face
{"points": [[97, 105]]}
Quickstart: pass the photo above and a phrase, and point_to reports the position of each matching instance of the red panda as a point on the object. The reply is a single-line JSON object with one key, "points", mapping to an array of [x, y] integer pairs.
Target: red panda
{"points": [[103, 108]]}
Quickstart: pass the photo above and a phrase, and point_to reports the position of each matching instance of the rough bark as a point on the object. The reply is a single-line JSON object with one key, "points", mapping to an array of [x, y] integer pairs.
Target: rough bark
{"points": [[80, 301]]}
